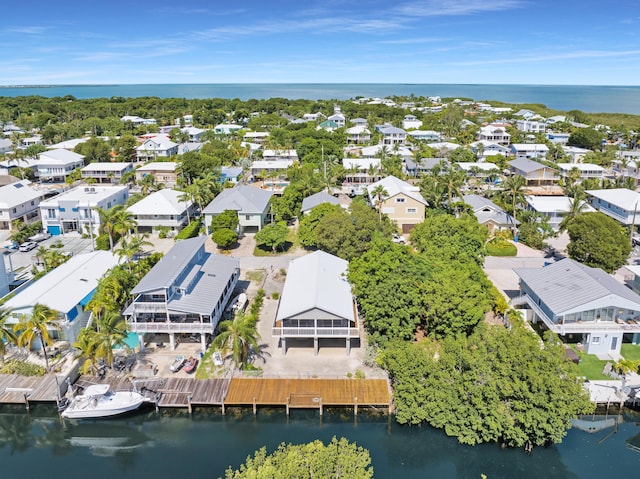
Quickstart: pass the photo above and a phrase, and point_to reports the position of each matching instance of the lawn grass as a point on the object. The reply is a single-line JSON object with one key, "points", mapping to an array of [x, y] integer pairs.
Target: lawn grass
{"points": [[256, 275], [590, 366], [206, 368], [630, 351]]}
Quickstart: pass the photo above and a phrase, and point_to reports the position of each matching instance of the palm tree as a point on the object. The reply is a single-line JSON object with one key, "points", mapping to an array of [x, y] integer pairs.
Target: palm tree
{"points": [[37, 325], [124, 221], [577, 205], [108, 223], [379, 193], [111, 331], [7, 335], [452, 180], [130, 245], [513, 192], [237, 335]]}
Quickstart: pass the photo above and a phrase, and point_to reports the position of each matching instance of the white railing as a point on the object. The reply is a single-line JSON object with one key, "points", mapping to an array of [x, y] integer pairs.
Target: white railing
{"points": [[171, 327], [150, 307], [316, 332], [586, 326]]}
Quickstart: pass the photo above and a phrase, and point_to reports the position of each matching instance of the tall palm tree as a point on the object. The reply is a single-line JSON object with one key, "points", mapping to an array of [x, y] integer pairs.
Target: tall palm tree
{"points": [[124, 221], [130, 245], [7, 335], [237, 335], [111, 331], [577, 205], [379, 193], [452, 180], [513, 192], [108, 222], [38, 325]]}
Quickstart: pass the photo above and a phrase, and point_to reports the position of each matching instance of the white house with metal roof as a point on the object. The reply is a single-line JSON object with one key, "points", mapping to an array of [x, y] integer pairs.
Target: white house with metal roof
{"points": [[186, 292], [163, 208], [252, 205], [158, 146], [586, 170], [621, 204], [77, 209], [571, 298], [67, 290], [316, 302], [554, 207], [18, 201], [56, 165]]}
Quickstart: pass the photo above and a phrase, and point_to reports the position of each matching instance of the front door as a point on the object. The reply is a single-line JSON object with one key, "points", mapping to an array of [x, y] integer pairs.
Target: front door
{"points": [[614, 343]]}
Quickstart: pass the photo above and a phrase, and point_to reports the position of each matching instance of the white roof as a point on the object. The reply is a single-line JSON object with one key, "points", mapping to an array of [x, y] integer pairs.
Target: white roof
{"points": [[17, 193], [64, 287], [68, 144], [271, 164], [159, 166], [164, 202], [580, 166], [316, 281], [59, 157], [285, 153], [529, 147], [376, 149], [106, 166], [394, 186], [158, 142], [357, 130], [621, 197], [444, 145], [92, 194], [360, 163], [481, 165], [554, 204]]}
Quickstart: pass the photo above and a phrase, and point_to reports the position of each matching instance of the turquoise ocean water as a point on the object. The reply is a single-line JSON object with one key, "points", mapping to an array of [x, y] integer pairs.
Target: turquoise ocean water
{"points": [[612, 99]]}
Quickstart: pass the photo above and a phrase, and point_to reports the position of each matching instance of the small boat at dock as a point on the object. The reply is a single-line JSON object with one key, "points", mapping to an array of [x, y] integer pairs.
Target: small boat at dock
{"points": [[99, 401], [190, 365]]}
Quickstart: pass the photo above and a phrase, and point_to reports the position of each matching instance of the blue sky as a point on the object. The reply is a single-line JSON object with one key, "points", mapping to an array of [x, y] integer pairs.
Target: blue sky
{"points": [[583, 42]]}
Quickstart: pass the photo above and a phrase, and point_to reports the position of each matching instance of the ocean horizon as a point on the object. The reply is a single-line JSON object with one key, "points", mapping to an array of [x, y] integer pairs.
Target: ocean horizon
{"points": [[591, 99]]}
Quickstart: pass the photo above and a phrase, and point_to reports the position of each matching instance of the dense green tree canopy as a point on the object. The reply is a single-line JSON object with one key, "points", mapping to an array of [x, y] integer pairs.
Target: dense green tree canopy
{"points": [[586, 138], [273, 236], [497, 385], [599, 241], [448, 237], [228, 219], [339, 459], [309, 223]]}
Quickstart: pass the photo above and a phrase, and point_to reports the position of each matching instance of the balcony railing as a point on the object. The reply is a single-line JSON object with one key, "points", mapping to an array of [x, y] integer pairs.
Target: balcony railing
{"points": [[171, 327], [145, 307], [316, 332]]}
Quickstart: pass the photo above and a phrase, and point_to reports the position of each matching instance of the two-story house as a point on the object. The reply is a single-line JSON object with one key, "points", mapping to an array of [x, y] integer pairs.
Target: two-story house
{"points": [[186, 292], [531, 126], [316, 303], [158, 146], [621, 204], [401, 202], [392, 136], [586, 170], [77, 209], [18, 201], [357, 135], [252, 205], [494, 134], [529, 150], [490, 214], [555, 208], [106, 172], [571, 298], [535, 174], [56, 165], [67, 289], [164, 172], [162, 209], [411, 122], [359, 173]]}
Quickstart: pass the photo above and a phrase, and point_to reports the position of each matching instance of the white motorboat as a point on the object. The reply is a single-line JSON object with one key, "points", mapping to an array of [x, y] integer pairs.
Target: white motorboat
{"points": [[98, 401]]}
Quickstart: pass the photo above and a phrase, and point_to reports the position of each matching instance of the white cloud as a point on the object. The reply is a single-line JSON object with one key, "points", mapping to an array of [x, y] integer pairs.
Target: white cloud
{"points": [[432, 8]]}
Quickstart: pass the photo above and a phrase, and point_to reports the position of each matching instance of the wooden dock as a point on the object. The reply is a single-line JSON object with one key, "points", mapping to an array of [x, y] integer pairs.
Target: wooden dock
{"points": [[13, 389], [308, 393], [188, 392]]}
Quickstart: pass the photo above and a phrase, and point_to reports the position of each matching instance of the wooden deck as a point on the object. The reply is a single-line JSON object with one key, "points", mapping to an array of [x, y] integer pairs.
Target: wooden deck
{"points": [[172, 392], [37, 388], [308, 393]]}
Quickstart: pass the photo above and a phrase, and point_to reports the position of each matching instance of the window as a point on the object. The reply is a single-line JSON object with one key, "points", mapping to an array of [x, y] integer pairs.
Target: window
{"points": [[51, 213], [412, 211], [400, 200], [247, 217], [15, 210], [595, 340]]}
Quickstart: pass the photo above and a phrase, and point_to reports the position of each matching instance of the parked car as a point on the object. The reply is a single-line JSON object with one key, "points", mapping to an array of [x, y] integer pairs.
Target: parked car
{"points": [[10, 244], [399, 239], [28, 246], [43, 235]]}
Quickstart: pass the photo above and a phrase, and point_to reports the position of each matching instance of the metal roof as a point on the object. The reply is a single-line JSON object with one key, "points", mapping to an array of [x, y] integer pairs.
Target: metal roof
{"points": [[316, 281], [394, 186], [15, 194], [312, 201], [245, 199], [211, 279], [172, 264], [162, 202], [567, 284], [64, 287], [523, 164]]}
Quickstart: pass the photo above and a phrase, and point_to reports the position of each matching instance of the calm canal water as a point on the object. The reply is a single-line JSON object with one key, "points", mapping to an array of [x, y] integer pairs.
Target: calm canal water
{"points": [[174, 445]]}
